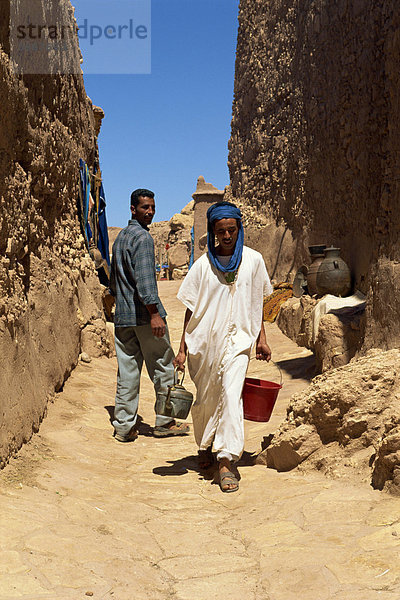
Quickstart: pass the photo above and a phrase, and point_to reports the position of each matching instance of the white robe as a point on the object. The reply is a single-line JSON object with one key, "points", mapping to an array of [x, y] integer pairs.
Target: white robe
{"points": [[224, 326]]}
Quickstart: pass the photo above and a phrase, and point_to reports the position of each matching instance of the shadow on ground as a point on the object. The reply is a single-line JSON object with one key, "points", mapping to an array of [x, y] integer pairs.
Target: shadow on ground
{"points": [[144, 428], [182, 466], [301, 367]]}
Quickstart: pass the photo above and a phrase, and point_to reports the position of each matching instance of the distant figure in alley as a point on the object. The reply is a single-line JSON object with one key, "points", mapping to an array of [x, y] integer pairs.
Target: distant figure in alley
{"points": [[141, 332], [223, 294]]}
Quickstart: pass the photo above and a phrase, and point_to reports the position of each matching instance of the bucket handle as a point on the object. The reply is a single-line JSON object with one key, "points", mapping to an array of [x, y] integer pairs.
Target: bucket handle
{"points": [[277, 366]]}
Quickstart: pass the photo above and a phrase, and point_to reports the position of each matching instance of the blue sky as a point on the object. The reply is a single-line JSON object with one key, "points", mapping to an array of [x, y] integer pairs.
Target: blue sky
{"points": [[164, 129]]}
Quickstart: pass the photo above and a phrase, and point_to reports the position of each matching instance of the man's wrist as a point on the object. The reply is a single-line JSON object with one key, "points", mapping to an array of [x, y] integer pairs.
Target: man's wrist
{"points": [[153, 309]]}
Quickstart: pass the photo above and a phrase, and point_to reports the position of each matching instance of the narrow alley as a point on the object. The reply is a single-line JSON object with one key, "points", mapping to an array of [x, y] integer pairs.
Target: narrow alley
{"points": [[82, 515]]}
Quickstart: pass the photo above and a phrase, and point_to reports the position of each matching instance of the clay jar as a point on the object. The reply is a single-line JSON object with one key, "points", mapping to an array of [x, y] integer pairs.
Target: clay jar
{"points": [[317, 256], [333, 276]]}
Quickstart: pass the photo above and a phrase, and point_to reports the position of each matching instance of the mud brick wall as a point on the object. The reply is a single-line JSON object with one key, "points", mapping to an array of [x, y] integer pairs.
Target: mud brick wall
{"points": [[315, 135], [49, 291]]}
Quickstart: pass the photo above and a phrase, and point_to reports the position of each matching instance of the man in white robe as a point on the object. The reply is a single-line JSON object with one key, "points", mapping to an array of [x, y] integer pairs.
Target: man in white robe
{"points": [[223, 293]]}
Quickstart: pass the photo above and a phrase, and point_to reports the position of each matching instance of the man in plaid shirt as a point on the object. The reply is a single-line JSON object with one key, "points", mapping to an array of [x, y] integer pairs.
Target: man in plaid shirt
{"points": [[141, 332]]}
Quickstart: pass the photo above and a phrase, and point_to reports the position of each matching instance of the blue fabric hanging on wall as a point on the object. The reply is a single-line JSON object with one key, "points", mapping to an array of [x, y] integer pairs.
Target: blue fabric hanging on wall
{"points": [[191, 260], [103, 241], [84, 196]]}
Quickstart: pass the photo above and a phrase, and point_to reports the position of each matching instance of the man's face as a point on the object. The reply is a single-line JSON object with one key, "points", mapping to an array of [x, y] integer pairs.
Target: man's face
{"points": [[144, 211], [226, 231]]}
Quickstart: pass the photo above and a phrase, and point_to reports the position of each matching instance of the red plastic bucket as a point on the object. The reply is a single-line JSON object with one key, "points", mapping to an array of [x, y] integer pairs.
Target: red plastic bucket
{"points": [[259, 399]]}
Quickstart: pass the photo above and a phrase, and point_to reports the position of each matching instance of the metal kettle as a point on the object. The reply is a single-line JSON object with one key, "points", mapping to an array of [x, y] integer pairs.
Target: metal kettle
{"points": [[174, 401]]}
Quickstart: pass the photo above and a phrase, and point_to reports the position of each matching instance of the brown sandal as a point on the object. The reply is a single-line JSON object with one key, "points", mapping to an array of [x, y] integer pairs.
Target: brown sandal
{"points": [[130, 437], [176, 429]]}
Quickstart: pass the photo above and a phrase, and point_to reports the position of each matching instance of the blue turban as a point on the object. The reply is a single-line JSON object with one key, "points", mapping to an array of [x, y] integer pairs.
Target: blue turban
{"points": [[224, 210]]}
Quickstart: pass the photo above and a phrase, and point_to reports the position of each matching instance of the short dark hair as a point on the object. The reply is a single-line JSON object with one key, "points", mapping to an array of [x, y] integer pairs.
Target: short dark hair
{"points": [[140, 192]]}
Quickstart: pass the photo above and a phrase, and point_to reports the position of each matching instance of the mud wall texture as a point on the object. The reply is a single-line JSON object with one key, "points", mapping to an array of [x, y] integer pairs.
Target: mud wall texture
{"points": [[315, 135], [49, 292]]}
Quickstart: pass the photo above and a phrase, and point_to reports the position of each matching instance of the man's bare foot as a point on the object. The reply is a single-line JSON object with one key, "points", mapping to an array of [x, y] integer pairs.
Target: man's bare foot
{"points": [[227, 480]]}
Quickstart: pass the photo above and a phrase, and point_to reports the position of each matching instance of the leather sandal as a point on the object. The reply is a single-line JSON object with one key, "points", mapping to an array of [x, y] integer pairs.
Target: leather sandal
{"points": [[228, 478], [130, 437], [177, 429]]}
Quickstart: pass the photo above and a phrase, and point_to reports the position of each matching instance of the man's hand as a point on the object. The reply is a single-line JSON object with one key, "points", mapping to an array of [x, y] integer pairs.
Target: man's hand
{"points": [[179, 360], [157, 325], [263, 351]]}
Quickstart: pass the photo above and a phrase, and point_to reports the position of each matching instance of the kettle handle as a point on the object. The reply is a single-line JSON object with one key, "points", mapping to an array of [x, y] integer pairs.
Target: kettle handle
{"points": [[176, 376], [168, 404]]}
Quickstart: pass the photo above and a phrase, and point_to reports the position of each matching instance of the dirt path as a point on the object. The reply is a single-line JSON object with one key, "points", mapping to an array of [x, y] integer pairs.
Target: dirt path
{"points": [[82, 515]]}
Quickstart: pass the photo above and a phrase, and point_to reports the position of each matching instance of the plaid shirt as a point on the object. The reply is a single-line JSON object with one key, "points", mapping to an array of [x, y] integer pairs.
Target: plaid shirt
{"points": [[133, 276]]}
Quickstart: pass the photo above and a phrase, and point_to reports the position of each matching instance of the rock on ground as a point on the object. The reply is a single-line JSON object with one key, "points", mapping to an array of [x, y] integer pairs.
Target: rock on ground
{"points": [[347, 421]]}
